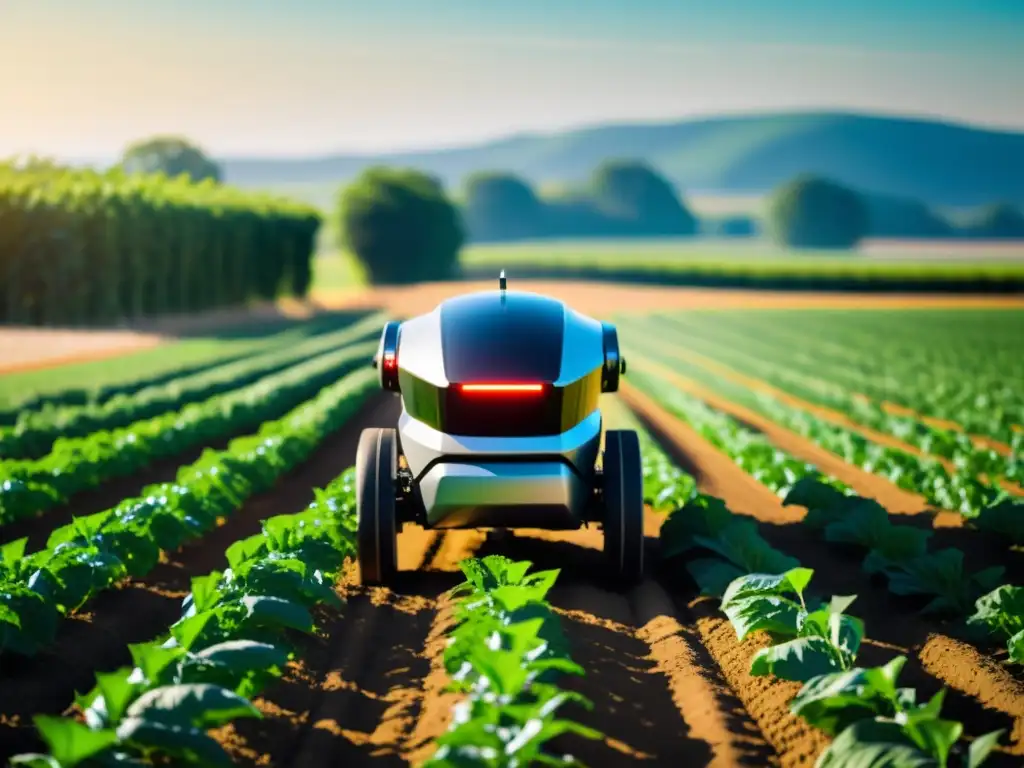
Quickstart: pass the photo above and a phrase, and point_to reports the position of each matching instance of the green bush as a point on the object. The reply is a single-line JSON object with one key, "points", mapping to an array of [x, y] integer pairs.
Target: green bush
{"points": [[633, 193], [811, 212], [401, 226], [499, 206]]}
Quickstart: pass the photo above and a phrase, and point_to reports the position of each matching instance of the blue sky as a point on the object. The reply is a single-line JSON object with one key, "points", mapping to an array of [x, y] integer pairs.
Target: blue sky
{"points": [[295, 77]]}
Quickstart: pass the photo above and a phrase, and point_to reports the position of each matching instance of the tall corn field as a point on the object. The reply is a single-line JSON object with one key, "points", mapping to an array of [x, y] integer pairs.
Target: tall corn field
{"points": [[81, 247]]}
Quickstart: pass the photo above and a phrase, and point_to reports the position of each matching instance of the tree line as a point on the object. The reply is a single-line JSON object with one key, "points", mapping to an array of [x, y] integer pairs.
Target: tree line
{"points": [[403, 227], [81, 247]]}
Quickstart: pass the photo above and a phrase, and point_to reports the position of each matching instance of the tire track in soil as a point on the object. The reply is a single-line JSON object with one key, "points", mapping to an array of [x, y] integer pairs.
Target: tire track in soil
{"points": [[139, 610], [983, 694]]}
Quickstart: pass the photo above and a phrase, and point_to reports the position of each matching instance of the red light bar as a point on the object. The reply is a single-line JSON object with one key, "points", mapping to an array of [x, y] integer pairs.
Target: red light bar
{"points": [[502, 388]]}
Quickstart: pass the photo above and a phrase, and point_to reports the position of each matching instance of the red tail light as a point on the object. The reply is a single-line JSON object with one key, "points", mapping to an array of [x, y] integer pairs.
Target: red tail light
{"points": [[502, 389]]}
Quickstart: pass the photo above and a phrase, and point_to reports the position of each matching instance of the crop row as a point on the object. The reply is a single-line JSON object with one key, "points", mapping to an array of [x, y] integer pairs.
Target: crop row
{"points": [[92, 553], [958, 490], [70, 396], [35, 431], [946, 367], [897, 552], [230, 642], [748, 356], [76, 464], [505, 656]]}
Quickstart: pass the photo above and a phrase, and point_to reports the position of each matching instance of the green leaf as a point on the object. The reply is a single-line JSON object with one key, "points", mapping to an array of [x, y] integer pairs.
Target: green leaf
{"points": [[810, 492], [801, 659], [243, 655], [275, 612], [71, 742], [764, 584], [713, 576], [873, 744], [13, 550], [1015, 645], [980, 748], [153, 658], [833, 702], [200, 705], [190, 744], [115, 692], [777, 615]]}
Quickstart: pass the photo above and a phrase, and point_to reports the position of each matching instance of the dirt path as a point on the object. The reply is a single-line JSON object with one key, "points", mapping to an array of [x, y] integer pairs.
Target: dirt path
{"points": [[97, 639], [598, 298], [984, 694]]}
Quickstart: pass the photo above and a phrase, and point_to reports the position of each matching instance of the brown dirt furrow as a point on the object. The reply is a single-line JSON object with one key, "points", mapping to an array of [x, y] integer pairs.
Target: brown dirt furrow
{"points": [[765, 698], [982, 677], [822, 412], [142, 609], [892, 624]]}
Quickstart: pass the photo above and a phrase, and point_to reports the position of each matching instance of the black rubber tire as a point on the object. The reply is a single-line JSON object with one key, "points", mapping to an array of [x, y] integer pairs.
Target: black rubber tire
{"points": [[623, 506], [376, 489]]}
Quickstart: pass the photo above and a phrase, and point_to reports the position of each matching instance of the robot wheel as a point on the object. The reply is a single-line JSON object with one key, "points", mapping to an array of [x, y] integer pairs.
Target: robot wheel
{"points": [[376, 492], [623, 505]]}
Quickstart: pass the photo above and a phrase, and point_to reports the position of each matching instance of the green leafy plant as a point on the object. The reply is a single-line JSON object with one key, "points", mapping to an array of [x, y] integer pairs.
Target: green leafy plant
{"points": [[814, 640], [230, 642], [505, 656], [92, 553], [876, 723]]}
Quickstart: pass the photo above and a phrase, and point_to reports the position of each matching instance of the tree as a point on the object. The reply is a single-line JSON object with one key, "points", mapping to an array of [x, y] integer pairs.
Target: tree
{"points": [[1001, 221], [401, 226], [811, 212], [500, 206], [170, 155], [901, 217], [633, 193]]}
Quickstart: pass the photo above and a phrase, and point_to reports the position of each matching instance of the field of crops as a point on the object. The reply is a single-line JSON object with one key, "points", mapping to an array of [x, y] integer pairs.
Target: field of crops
{"points": [[835, 530]]}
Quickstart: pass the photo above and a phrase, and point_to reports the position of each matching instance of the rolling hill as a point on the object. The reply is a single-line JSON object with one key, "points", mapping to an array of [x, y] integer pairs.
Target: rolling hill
{"points": [[941, 163]]}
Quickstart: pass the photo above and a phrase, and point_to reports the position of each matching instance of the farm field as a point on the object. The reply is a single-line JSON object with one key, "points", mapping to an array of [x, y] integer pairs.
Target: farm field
{"points": [[175, 544]]}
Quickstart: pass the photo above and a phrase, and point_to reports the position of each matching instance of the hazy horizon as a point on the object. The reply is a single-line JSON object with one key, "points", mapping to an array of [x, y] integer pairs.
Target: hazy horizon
{"points": [[315, 77]]}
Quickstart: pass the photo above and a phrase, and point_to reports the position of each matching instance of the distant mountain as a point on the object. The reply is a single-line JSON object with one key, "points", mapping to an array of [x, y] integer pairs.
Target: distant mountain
{"points": [[941, 163]]}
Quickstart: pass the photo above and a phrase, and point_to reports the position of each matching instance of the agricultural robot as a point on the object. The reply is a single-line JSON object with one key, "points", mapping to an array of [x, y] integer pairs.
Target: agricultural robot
{"points": [[500, 428]]}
